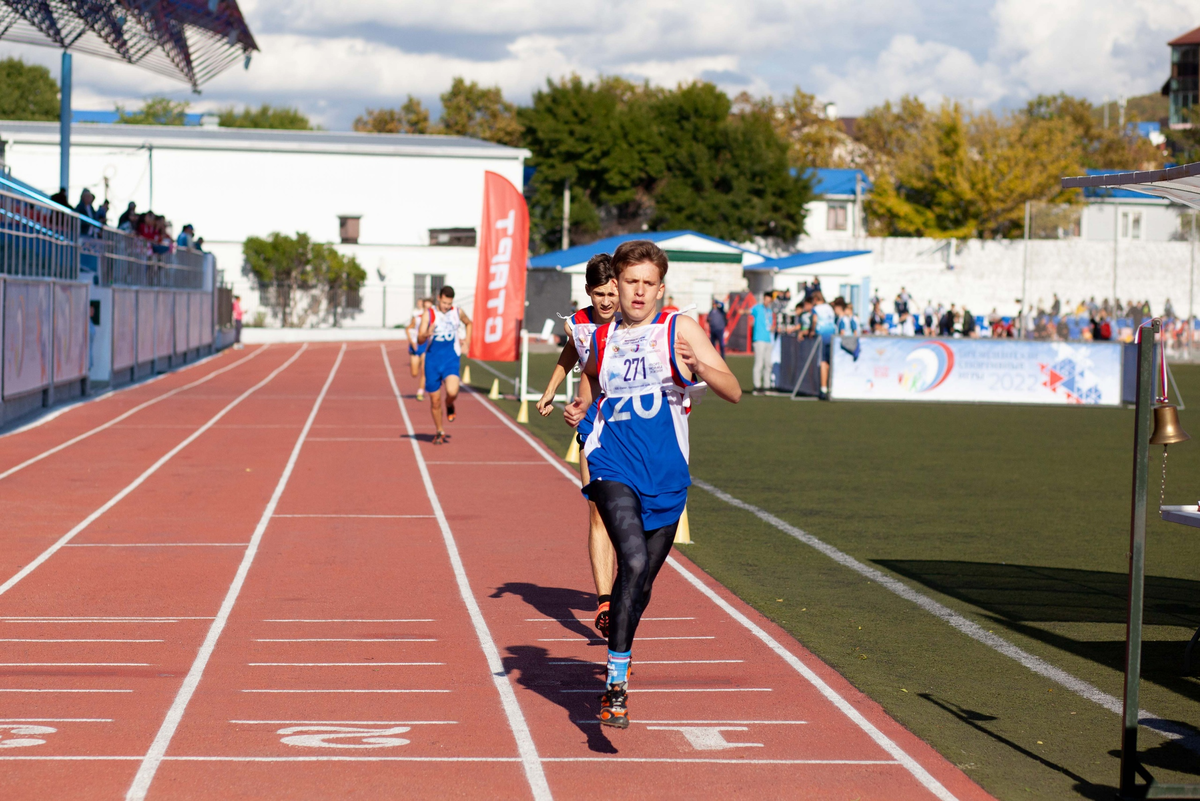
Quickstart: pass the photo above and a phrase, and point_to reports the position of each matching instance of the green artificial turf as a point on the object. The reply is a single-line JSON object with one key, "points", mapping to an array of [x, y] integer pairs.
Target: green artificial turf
{"points": [[1017, 517]]}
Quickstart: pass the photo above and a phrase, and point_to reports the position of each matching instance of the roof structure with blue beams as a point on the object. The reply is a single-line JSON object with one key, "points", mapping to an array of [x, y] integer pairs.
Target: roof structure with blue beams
{"points": [[681, 245]]}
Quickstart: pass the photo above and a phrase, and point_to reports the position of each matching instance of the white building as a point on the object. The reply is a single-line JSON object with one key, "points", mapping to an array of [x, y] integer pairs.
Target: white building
{"points": [[837, 211], [417, 199]]}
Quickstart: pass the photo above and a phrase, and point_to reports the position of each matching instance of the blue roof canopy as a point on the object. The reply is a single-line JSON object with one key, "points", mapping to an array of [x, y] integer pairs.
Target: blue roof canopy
{"points": [[807, 259], [836, 181]]}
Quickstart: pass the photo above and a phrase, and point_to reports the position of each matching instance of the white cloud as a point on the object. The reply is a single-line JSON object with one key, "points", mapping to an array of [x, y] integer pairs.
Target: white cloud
{"points": [[333, 58]]}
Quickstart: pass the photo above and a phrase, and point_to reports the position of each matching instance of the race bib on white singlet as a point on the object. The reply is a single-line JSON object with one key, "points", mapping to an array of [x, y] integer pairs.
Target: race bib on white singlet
{"points": [[637, 362]]}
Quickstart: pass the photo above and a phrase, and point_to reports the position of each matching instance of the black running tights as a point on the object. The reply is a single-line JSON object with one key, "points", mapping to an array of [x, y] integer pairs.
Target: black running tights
{"points": [[640, 555]]}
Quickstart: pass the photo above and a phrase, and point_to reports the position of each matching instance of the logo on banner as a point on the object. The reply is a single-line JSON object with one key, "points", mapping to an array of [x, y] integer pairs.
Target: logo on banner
{"points": [[1068, 378], [927, 367]]}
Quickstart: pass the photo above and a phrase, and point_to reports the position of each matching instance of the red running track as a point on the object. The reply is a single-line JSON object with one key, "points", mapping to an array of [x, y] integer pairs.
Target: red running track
{"points": [[299, 596]]}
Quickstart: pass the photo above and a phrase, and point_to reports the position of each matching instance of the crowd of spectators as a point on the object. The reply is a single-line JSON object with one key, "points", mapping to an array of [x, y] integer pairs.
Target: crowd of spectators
{"points": [[153, 228]]}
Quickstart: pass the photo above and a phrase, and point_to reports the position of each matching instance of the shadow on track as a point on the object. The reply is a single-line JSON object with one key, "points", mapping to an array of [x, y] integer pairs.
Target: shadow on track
{"points": [[556, 603], [531, 666]]}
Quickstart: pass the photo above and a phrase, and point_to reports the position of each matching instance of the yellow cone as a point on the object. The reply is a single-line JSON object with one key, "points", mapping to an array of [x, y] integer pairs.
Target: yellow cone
{"points": [[572, 456], [495, 392], [523, 412], [683, 534], [466, 376]]}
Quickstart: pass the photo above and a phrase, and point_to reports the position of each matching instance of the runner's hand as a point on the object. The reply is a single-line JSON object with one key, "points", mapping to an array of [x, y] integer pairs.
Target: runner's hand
{"points": [[574, 412], [685, 354], [545, 405]]}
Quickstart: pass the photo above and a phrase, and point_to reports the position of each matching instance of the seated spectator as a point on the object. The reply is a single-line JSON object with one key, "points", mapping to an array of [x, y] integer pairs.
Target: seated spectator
{"points": [[199, 244], [188, 234], [847, 325], [1102, 330], [905, 327]]}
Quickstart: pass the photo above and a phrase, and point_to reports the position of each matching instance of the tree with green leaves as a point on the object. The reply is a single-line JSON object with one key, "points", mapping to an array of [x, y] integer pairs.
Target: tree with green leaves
{"points": [[265, 116], [469, 109], [157, 110], [27, 92], [339, 278], [283, 266], [410, 118]]}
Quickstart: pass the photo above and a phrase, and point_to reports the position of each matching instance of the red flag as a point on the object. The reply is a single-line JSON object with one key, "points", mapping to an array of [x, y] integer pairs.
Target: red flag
{"points": [[500, 282]]}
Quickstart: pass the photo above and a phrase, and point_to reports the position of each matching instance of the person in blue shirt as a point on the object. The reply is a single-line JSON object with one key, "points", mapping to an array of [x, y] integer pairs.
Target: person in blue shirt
{"points": [[762, 325], [824, 325]]}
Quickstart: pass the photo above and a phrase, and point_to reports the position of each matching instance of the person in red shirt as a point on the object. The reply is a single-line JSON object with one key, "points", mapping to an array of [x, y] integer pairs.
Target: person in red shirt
{"points": [[669, 307], [237, 322]]}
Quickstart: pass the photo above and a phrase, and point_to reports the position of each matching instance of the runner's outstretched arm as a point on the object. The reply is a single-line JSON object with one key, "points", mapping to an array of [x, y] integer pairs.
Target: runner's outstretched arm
{"points": [[466, 321], [588, 389], [695, 351], [423, 331], [566, 362]]}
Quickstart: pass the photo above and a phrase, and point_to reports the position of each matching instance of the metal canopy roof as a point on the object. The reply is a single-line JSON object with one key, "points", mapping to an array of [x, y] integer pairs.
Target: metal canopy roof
{"points": [[191, 40], [1180, 184]]}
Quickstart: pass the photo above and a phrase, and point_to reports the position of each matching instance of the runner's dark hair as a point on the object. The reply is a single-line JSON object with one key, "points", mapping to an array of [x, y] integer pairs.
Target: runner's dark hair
{"points": [[638, 251], [446, 292], [599, 271]]}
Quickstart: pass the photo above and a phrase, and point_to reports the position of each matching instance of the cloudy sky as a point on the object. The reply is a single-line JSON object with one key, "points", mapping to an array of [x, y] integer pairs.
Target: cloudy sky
{"points": [[332, 58]]}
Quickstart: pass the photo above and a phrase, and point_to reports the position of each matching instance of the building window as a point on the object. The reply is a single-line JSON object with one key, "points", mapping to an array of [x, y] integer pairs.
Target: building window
{"points": [[835, 217], [427, 286], [1131, 225], [452, 237]]}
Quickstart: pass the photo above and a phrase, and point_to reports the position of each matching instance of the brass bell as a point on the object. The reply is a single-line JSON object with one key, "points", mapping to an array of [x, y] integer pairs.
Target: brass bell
{"points": [[1167, 430]]}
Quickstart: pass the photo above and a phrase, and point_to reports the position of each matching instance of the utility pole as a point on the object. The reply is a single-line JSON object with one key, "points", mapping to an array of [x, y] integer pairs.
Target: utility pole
{"points": [[1116, 247], [1025, 266], [150, 150], [566, 231], [1191, 318]]}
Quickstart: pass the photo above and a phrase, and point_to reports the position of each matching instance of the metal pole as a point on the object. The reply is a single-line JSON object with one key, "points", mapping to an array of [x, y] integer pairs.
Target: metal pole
{"points": [[566, 231], [1025, 264], [64, 125], [1116, 243], [150, 149], [1191, 288], [1137, 555], [524, 365]]}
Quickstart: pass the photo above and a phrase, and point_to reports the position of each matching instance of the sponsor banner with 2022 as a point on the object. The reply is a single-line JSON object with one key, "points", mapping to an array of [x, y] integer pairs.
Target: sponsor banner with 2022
{"points": [[979, 370]]}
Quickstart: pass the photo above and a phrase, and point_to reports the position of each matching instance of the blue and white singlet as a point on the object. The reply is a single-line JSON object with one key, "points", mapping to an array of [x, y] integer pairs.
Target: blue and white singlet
{"points": [[443, 330], [640, 437], [582, 328]]}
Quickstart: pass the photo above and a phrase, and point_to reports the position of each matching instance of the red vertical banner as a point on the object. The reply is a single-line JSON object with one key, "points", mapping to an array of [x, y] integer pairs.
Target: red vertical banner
{"points": [[500, 282]]}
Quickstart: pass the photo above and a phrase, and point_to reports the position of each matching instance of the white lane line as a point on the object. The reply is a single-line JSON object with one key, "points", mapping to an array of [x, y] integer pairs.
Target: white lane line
{"points": [[27, 690], [530, 760], [341, 664], [539, 464], [370, 517], [157, 545], [359, 620], [123, 416], [910, 764], [348, 722], [707, 722], [1167, 728], [354, 639], [641, 662], [589, 620], [137, 482], [75, 664], [683, 690], [81, 640], [355, 439], [56, 720], [685, 760], [639, 639], [98, 619], [334, 759], [882, 740], [346, 691], [158, 748]]}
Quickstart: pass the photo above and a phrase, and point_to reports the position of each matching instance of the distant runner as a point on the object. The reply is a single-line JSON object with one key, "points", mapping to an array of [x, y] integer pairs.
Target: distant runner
{"points": [[440, 328], [601, 286], [644, 368], [416, 353]]}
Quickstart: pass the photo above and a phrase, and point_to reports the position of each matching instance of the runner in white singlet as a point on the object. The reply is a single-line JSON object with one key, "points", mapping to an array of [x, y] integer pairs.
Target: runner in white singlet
{"points": [[642, 368]]}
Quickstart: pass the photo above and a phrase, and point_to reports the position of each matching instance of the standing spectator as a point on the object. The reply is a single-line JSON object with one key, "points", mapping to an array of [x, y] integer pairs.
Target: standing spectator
{"points": [[86, 209], [968, 323], [905, 326], [901, 302], [847, 325], [762, 322], [669, 307], [1101, 327], [187, 236], [824, 325], [946, 323], [1056, 306], [878, 321], [929, 319], [993, 320], [237, 322], [716, 326], [1168, 310], [127, 216]]}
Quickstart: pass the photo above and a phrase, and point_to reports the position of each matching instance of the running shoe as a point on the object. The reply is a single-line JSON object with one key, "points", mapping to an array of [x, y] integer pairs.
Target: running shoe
{"points": [[450, 415], [439, 438], [613, 709], [420, 395], [602, 619]]}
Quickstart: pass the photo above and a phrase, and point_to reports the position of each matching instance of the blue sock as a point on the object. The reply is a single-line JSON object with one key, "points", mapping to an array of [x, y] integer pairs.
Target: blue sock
{"points": [[618, 667]]}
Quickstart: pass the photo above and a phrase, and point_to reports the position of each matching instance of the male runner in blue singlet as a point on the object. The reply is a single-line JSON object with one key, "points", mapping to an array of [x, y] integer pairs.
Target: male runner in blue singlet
{"points": [[440, 326], [644, 368]]}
